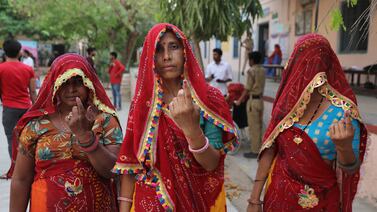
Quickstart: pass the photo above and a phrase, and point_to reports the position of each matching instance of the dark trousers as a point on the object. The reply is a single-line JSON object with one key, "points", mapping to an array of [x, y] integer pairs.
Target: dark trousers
{"points": [[10, 119], [117, 100]]}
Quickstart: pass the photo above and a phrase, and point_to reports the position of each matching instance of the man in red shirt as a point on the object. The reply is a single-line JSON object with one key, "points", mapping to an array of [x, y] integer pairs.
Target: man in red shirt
{"points": [[116, 69], [17, 88]]}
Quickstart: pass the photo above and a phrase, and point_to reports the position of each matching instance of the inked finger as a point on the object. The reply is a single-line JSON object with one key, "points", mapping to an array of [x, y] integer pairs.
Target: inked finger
{"points": [[80, 106], [187, 90], [75, 112]]}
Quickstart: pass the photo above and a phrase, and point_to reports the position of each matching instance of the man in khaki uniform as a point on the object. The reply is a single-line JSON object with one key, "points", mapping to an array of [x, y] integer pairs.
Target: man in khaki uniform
{"points": [[254, 87]]}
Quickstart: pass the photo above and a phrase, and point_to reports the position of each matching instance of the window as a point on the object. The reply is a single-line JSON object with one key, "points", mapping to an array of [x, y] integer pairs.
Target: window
{"points": [[235, 47], [303, 23], [356, 40], [218, 44]]}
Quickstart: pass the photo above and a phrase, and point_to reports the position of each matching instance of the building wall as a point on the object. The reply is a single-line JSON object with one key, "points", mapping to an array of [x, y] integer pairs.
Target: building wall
{"points": [[281, 16]]}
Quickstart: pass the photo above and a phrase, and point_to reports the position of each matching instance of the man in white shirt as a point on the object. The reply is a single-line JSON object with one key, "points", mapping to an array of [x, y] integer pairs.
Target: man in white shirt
{"points": [[27, 59], [219, 72]]}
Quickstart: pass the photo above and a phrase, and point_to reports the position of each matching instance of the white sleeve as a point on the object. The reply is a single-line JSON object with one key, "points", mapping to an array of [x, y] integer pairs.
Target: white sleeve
{"points": [[208, 71], [229, 73]]}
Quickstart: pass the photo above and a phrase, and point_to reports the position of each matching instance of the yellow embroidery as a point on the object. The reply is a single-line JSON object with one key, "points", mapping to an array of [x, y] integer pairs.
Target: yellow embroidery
{"points": [[319, 81], [307, 198], [77, 72], [297, 140]]}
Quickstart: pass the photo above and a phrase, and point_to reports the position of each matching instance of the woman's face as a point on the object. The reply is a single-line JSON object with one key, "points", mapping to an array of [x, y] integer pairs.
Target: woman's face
{"points": [[169, 57], [71, 89]]}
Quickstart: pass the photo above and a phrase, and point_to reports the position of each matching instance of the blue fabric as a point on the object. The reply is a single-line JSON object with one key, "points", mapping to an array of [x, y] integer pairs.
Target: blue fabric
{"points": [[318, 131], [212, 132], [275, 60], [117, 101]]}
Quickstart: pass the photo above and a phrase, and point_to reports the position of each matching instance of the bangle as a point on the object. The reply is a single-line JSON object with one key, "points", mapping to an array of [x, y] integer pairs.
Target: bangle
{"points": [[89, 143], [251, 202], [201, 150], [125, 199], [92, 147], [260, 180], [350, 167]]}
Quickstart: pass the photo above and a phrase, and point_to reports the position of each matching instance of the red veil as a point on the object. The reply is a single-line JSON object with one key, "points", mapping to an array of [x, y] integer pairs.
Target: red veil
{"points": [[313, 64], [141, 147], [63, 68]]}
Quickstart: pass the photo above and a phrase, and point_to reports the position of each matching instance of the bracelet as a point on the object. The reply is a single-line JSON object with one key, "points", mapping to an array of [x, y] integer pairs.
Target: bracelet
{"points": [[260, 180], [351, 167], [92, 147], [125, 199], [201, 150], [251, 202], [92, 140]]}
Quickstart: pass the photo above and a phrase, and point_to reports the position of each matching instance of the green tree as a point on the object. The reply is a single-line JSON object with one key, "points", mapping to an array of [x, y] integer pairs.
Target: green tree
{"points": [[12, 24], [106, 24], [203, 19]]}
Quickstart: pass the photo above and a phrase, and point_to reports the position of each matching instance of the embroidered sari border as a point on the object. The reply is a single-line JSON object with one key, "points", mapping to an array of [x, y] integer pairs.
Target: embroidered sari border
{"points": [[126, 168], [149, 139], [162, 193], [326, 90], [297, 111], [340, 100]]}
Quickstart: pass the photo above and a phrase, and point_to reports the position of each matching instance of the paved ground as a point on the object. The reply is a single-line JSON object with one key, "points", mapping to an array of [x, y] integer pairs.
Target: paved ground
{"points": [[239, 171]]}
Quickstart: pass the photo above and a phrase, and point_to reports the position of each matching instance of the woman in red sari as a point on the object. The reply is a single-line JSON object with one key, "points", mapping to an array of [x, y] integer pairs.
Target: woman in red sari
{"points": [[179, 129], [315, 142], [67, 144]]}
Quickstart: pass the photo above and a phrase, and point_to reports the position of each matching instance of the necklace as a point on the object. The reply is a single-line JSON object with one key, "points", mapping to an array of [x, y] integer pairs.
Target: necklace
{"points": [[297, 139]]}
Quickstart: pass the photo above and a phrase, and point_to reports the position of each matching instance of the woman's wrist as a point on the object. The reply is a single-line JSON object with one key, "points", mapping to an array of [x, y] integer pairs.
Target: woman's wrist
{"points": [[84, 137], [195, 138], [255, 201]]}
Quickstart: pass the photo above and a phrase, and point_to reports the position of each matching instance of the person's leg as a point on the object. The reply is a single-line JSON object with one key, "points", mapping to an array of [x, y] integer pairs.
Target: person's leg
{"points": [[250, 121], [255, 120], [119, 97], [10, 119], [114, 94]]}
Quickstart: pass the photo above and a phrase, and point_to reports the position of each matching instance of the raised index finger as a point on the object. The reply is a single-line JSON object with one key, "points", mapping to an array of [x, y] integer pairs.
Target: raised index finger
{"points": [[186, 89], [80, 106], [347, 121]]}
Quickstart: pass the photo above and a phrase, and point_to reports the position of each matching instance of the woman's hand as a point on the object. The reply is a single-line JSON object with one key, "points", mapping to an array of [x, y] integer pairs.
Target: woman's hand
{"points": [[254, 208], [185, 113], [342, 133], [80, 120]]}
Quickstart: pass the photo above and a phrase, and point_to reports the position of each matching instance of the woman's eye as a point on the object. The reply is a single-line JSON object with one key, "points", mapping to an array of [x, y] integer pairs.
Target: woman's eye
{"points": [[174, 46]]}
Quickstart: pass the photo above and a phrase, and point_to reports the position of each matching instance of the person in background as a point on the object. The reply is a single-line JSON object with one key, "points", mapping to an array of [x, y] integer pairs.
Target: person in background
{"points": [[178, 132], [274, 59], [54, 55], [315, 142], [116, 69], [219, 72], [254, 89], [17, 88], [248, 44], [90, 58], [67, 143], [28, 58]]}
